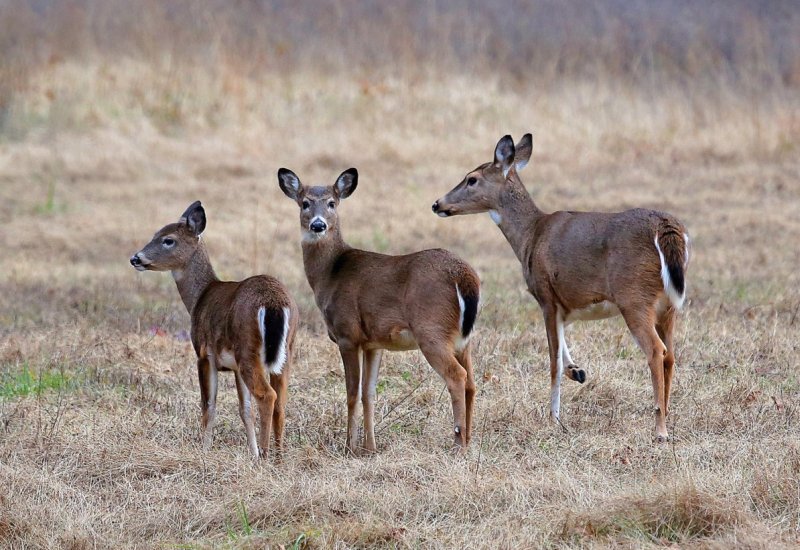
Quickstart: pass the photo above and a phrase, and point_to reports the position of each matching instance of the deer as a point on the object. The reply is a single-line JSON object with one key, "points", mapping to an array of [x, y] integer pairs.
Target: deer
{"points": [[585, 266], [372, 302], [247, 327]]}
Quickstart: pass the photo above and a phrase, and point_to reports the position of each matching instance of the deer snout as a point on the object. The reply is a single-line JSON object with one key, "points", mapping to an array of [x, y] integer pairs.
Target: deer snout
{"points": [[438, 210], [318, 225], [136, 261]]}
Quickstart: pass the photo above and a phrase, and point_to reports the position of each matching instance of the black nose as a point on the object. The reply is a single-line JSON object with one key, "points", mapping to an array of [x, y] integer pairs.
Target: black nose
{"points": [[318, 226], [135, 261], [435, 207]]}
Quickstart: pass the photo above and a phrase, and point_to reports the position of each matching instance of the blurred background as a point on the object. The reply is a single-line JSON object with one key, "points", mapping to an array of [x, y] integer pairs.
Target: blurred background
{"points": [[206, 63]]}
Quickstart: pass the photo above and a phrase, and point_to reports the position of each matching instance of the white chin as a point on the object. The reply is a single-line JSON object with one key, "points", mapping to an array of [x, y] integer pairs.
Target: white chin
{"points": [[443, 214], [140, 267], [310, 236]]}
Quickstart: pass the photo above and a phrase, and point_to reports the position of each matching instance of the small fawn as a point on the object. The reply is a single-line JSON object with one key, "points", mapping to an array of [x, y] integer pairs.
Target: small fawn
{"points": [[372, 302], [246, 326], [585, 266]]}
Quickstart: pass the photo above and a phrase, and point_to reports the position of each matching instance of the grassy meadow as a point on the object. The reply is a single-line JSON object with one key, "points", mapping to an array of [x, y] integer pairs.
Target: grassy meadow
{"points": [[111, 124]]}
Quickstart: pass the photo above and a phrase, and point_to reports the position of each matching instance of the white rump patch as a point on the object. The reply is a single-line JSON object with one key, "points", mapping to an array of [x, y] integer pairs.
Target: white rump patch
{"points": [[686, 252], [496, 217], [669, 288], [280, 359], [461, 342]]}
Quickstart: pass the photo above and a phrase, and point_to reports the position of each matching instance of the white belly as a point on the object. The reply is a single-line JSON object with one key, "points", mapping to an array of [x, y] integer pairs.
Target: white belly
{"points": [[226, 359], [600, 310]]}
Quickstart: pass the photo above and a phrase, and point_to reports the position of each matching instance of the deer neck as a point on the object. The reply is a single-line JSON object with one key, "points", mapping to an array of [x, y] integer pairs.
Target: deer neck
{"points": [[194, 278], [516, 216], [320, 255]]}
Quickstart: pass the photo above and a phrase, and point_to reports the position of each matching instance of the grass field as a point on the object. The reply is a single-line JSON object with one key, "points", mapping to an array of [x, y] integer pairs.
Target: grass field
{"points": [[99, 401]]}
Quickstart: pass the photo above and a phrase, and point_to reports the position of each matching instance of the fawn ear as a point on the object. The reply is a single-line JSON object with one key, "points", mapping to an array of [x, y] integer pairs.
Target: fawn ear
{"points": [[289, 183], [346, 183], [522, 152], [504, 154], [195, 218]]}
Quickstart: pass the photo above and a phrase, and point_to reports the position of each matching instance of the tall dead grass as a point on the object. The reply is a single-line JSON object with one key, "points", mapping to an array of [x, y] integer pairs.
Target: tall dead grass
{"points": [[112, 120]]}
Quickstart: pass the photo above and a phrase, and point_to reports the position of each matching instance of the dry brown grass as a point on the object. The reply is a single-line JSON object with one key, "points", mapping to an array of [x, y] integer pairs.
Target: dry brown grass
{"points": [[96, 155]]}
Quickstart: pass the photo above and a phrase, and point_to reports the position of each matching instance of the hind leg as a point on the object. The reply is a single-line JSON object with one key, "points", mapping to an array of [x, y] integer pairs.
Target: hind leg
{"points": [[665, 328], [279, 383], [255, 378], [571, 370], [440, 355], [464, 358], [246, 412], [641, 323]]}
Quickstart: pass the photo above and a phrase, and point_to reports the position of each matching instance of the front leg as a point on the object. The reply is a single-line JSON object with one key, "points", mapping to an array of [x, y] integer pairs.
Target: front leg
{"points": [[372, 362], [555, 330], [351, 358], [207, 374]]}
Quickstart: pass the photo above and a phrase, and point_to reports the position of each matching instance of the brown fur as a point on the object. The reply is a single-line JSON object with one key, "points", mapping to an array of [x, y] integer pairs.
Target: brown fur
{"points": [[574, 260], [224, 319], [370, 301]]}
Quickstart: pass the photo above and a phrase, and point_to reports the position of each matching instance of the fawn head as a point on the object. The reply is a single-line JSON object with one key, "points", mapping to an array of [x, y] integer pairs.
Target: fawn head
{"points": [[173, 245]]}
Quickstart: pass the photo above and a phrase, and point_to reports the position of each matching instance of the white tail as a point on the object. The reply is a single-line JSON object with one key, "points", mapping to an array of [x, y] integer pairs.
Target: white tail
{"points": [[585, 265], [247, 327], [373, 302]]}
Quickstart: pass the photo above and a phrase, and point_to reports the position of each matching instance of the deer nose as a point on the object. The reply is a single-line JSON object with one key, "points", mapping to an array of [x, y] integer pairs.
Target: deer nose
{"points": [[435, 207], [318, 226], [135, 260]]}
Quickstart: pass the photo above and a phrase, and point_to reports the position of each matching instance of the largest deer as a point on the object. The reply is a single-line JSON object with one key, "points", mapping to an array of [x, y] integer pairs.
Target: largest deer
{"points": [[373, 302], [585, 266]]}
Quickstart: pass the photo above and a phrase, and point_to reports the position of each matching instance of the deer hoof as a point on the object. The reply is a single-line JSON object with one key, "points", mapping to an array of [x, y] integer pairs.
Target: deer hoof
{"points": [[579, 375]]}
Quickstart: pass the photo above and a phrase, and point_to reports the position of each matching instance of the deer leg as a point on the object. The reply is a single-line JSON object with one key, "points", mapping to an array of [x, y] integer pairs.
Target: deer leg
{"points": [[665, 329], [351, 357], [572, 371], [207, 374], [444, 362], [643, 328], [464, 357], [555, 330], [279, 384], [255, 377], [247, 413], [369, 380]]}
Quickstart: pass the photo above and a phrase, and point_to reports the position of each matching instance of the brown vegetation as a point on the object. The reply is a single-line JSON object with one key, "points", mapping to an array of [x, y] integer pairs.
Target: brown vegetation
{"points": [[107, 129]]}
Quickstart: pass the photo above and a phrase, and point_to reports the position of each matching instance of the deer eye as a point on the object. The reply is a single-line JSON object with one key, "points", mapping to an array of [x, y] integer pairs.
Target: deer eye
{"points": [[168, 242], [331, 205], [472, 181], [306, 205]]}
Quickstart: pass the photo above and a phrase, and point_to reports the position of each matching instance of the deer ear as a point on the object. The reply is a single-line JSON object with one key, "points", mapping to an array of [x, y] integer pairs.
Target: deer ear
{"points": [[195, 218], [504, 154], [346, 183], [522, 152], [289, 183]]}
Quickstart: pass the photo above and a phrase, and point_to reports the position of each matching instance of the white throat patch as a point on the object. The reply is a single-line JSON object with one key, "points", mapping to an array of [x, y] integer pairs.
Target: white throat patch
{"points": [[496, 217]]}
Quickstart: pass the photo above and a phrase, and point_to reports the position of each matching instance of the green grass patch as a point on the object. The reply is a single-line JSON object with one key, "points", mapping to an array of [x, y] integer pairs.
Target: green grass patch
{"points": [[27, 382]]}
